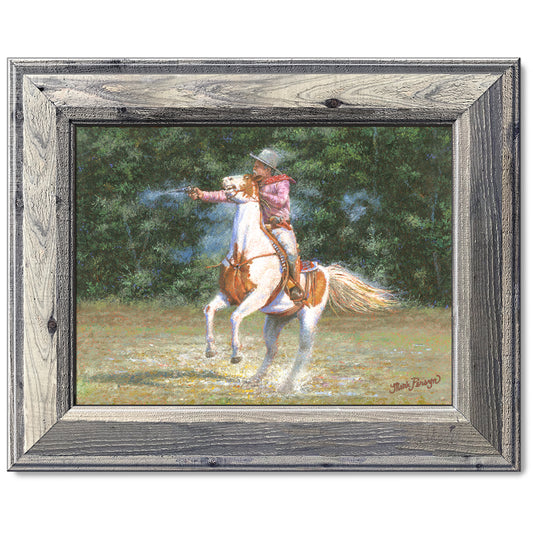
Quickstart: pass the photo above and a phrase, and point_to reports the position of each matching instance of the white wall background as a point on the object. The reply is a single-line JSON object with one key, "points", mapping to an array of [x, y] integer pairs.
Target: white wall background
{"points": [[339, 502]]}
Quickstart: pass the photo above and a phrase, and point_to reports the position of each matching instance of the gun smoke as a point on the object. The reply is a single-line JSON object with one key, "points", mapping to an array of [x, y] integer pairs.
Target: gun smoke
{"points": [[217, 219], [216, 222]]}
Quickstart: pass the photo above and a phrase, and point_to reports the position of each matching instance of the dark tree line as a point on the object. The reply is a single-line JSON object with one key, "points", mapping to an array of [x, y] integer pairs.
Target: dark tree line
{"points": [[376, 199]]}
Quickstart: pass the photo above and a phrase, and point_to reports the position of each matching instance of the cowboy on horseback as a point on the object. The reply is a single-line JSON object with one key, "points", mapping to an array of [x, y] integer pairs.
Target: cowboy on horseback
{"points": [[274, 188], [250, 277]]}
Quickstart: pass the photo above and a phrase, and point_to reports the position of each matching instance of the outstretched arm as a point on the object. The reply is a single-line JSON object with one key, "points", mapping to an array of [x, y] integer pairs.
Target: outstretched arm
{"points": [[205, 196], [195, 193]]}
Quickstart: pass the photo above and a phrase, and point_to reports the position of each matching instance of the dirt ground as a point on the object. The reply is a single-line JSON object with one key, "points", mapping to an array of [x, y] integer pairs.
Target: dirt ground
{"points": [[147, 355]]}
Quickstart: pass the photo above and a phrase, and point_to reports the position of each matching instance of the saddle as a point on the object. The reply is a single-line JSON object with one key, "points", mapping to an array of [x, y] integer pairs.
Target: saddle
{"points": [[234, 279], [235, 282]]}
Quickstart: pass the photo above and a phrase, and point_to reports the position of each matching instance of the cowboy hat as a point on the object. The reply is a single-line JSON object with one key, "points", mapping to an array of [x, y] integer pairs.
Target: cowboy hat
{"points": [[268, 157]]}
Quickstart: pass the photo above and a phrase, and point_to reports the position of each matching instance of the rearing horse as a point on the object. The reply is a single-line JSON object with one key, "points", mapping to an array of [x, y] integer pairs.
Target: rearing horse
{"points": [[252, 278]]}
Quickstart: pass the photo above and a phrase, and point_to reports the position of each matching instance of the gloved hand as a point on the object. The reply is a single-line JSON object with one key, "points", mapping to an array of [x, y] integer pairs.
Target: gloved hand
{"points": [[195, 193]]}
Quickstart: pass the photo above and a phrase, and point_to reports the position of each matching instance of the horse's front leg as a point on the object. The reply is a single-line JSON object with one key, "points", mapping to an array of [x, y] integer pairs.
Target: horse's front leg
{"points": [[218, 302], [253, 302]]}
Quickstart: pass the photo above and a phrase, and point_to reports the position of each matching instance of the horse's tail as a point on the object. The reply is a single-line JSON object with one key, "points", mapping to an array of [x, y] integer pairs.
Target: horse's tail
{"points": [[348, 293]]}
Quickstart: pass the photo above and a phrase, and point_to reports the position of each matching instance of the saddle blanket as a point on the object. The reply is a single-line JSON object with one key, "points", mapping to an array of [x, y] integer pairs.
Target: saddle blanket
{"points": [[309, 266]]}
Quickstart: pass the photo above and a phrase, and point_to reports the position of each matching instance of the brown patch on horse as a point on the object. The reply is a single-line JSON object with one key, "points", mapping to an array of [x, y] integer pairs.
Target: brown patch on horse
{"points": [[315, 286], [234, 280]]}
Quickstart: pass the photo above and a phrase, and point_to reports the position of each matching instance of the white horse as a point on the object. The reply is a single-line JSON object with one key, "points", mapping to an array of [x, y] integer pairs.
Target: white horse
{"points": [[252, 278]]}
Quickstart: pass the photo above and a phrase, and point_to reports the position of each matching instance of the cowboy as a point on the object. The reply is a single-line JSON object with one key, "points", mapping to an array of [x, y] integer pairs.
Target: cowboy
{"points": [[274, 190]]}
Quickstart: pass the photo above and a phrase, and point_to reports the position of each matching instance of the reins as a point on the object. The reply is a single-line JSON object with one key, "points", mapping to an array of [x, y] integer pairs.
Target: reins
{"points": [[238, 266], [279, 252]]}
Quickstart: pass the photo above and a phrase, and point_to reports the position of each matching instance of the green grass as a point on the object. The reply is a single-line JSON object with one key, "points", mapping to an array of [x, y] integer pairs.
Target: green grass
{"points": [[143, 354]]}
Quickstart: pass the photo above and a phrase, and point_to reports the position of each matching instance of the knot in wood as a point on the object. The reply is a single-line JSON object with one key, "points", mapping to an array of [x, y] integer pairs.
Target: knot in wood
{"points": [[52, 325], [333, 103]]}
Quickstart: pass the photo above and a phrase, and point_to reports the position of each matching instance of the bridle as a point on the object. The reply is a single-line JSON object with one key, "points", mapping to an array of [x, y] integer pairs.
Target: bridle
{"points": [[238, 266], [234, 191]]}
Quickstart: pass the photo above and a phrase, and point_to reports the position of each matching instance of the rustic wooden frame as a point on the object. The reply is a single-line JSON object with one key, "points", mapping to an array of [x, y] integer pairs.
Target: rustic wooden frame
{"points": [[480, 98]]}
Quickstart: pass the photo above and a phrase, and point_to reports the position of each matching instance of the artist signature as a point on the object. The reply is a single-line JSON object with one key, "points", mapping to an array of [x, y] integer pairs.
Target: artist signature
{"points": [[414, 383]]}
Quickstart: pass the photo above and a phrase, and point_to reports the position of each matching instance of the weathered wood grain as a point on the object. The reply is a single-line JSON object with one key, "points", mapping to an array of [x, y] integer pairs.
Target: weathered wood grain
{"points": [[462, 250], [16, 318], [262, 439], [215, 66], [304, 116], [40, 263], [65, 255], [405, 463], [289, 414], [480, 430], [486, 264], [510, 264], [452, 93]]}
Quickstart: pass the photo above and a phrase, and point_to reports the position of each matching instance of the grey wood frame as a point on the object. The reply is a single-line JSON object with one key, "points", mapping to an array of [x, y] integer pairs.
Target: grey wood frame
{"points": [[479, 431]]}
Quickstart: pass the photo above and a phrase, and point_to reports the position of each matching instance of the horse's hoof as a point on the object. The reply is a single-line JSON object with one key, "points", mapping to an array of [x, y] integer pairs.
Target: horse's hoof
{"points": [[236, 360], [210, 352]]}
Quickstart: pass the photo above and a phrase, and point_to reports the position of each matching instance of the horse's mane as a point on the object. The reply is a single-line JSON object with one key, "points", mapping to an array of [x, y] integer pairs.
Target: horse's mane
{"points": [[251, 189]]}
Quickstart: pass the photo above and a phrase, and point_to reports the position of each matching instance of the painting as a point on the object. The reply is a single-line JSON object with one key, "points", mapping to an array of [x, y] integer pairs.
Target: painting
{"points": [[401, 177], [263, 265]]}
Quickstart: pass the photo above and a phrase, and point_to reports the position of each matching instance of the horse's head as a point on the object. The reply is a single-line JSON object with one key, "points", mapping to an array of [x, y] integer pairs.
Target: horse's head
{"points": [[242, 188]]}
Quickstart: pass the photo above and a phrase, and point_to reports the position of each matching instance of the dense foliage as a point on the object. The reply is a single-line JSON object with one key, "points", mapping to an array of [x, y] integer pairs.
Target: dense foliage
{"points": [[376, 199]]}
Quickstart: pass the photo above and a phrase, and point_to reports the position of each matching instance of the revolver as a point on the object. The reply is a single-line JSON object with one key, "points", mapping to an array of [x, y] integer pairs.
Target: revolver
{"points": [[185, 190]]}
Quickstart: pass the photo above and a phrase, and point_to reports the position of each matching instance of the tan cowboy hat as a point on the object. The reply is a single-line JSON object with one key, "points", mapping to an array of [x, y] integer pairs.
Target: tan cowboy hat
{"points": [[268, 157]]}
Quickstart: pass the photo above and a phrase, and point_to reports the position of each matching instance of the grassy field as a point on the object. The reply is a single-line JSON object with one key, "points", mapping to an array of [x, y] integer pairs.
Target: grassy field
{"points": [[147, 355]]}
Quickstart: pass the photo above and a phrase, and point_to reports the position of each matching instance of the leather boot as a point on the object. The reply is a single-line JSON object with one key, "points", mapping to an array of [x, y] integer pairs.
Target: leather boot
{"points": [[296, 294]]}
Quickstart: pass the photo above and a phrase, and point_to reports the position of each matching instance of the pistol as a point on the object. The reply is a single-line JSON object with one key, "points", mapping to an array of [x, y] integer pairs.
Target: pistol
{"points": [[185, 190]]}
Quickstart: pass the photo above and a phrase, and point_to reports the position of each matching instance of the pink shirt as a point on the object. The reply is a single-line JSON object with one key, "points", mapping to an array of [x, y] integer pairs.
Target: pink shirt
{"points": [[273, 191]]}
